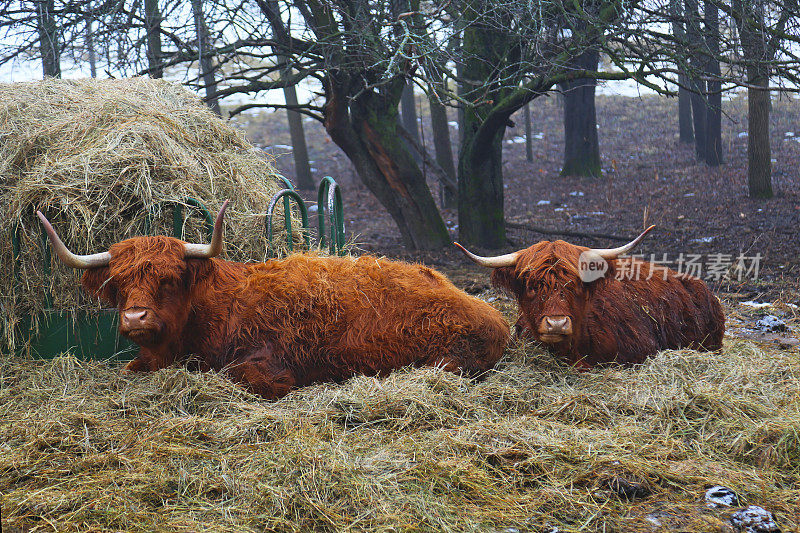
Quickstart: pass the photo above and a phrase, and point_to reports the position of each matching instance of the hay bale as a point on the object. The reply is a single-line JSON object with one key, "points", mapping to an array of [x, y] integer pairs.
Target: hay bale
{"points": [[94, 155]]}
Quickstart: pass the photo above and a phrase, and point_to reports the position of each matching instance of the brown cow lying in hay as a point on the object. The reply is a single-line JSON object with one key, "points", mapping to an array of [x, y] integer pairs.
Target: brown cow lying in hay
{"points": [[283, 324], [572, 299]]}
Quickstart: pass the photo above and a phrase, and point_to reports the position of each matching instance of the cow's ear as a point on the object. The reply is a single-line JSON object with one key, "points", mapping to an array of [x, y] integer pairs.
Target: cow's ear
{"points": [[506, 278], [96, 282], [197, 270]]}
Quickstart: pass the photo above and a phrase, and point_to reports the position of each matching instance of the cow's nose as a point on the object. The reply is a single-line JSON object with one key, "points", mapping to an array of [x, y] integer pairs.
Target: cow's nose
{"points": [[134, 318], [559, 325]]}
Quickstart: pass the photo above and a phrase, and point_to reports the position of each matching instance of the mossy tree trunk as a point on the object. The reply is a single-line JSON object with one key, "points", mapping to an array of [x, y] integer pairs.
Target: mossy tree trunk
{"points": [[481, 218]]}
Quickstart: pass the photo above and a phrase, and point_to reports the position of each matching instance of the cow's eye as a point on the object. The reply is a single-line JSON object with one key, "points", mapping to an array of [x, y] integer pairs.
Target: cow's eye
{"points": [[168, 286]]}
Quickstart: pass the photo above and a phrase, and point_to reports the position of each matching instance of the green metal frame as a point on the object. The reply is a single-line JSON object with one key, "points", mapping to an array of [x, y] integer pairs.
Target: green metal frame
{"points": [[286, 194], [329, 190]]}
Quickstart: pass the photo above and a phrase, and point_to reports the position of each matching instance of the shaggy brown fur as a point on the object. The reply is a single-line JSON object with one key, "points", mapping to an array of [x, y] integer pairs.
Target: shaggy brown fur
{"points": [[613, 320], [288, 323]]}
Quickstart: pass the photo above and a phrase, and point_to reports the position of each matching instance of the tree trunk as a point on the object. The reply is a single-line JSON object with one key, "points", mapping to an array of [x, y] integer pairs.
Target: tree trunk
{"points": [[302, 169], [528, 133], [685, 126], [365, 128], [581, 147], [152, 21], [481, 218], [206, 59], [91, 56], [408, 113], [48, 38], [713, 144], [444, 149], [759, 156], [696, 85], [757, 53]]}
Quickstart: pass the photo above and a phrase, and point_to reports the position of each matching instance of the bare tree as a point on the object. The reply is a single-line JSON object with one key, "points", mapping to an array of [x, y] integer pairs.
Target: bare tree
{"points": [[48, 38], [760, 42], [581, 145], [685, 126], [152, 24], [713, 122], [696, 83], [206, 58]]}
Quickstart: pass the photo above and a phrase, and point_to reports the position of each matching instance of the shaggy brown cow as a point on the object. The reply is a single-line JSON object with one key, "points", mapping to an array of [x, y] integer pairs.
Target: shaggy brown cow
{"points": [[283, 324], [590, 315]]}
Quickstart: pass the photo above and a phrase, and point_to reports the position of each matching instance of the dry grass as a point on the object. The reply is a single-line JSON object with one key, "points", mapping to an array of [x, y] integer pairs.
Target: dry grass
{"points": [[94, 155], [534, 446]]}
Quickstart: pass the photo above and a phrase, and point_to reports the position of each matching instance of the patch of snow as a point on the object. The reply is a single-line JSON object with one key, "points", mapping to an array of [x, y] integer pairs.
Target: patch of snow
{"points": [[558, 209], [789, 134], [688, 194], [576, 193], [742, 134], [719, 496], [754, 519], [771, 323], [543, 202], [595, 213], [755, 305], [703, 240], [453, 124], [653, 520], [516, 140]]}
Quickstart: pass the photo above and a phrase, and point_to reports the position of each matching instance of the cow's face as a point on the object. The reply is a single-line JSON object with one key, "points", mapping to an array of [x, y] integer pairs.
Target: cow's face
{"points": [[551, 295], [149, 281]]}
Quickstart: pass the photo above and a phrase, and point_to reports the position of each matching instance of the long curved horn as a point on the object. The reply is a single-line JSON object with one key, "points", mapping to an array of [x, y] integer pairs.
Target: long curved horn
{"points": [[214, 248], [491, 262], [612, 253], [67, 257]]}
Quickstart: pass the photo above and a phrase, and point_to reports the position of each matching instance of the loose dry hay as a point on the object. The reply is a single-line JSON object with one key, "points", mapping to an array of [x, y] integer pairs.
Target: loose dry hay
{"points": [[535, 446], [94, 155]]}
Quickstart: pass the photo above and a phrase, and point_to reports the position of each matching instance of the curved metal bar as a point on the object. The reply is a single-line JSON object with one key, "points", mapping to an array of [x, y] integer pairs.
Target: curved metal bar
{"points": [[285, 181], [329, 197], [286, 194]]}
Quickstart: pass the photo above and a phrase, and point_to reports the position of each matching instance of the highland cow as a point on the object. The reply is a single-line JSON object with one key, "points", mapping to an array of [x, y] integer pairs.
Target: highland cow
{"points": [[286, 323], [592, 307]]}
